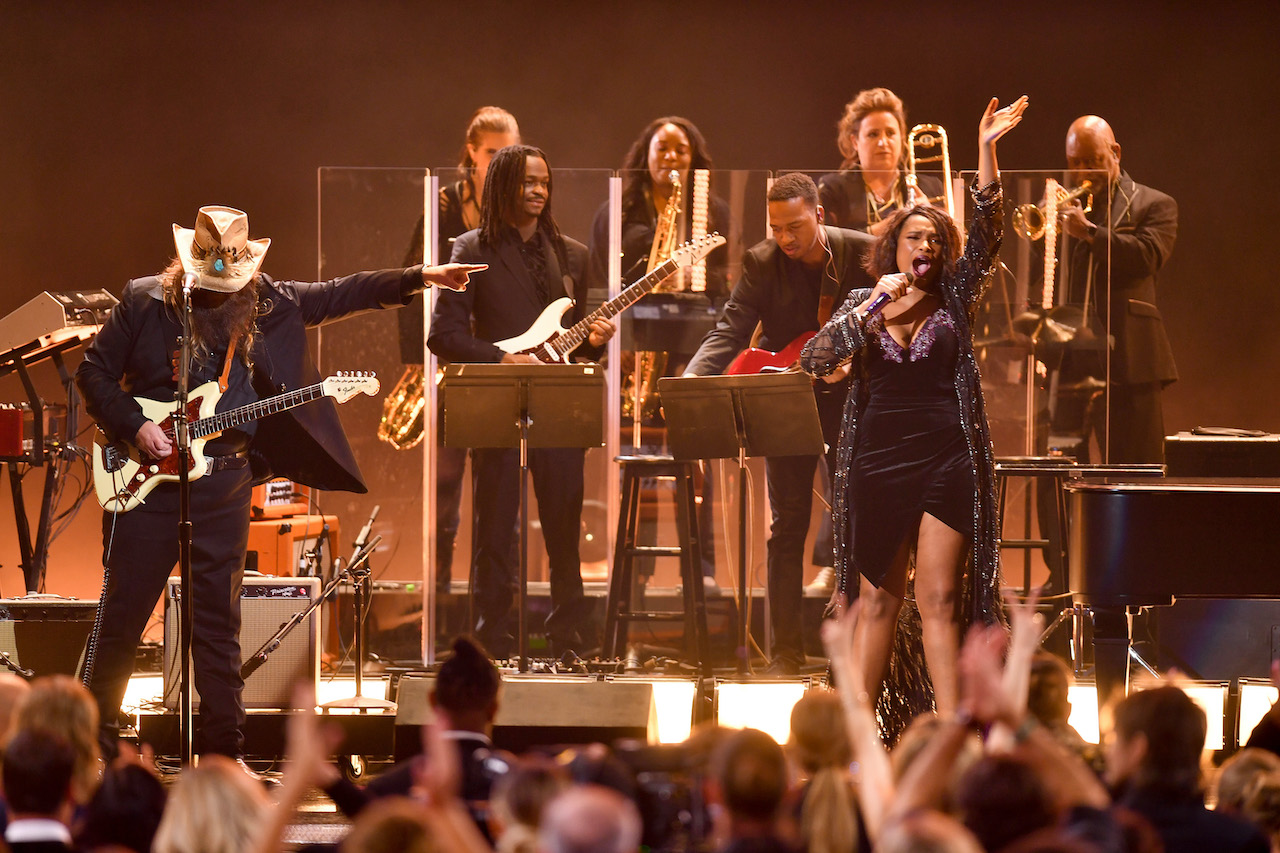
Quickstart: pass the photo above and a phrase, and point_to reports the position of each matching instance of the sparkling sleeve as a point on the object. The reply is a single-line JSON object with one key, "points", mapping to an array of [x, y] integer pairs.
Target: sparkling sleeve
{"points": [[983, 245], [836, 342]]}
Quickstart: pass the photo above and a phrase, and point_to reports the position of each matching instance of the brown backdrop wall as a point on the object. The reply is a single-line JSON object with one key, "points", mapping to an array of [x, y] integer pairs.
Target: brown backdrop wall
{"points": [[117, 119]]}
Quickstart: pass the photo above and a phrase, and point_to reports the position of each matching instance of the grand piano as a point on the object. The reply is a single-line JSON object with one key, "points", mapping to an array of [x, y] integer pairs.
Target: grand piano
{"points": [[1140, 544]]}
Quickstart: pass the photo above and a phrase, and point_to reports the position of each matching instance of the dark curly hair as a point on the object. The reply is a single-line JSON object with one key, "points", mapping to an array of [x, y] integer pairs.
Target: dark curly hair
{"points": [[883, 257], [635, 168]]}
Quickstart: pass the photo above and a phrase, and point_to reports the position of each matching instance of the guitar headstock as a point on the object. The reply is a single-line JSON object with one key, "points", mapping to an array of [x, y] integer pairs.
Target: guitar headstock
{"points": [[345, 384], [695, 250]]}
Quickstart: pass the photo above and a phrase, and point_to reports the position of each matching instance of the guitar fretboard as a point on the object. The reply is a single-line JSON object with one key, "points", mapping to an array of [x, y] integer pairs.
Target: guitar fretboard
{"points": [[244, 414], [576, 335]]}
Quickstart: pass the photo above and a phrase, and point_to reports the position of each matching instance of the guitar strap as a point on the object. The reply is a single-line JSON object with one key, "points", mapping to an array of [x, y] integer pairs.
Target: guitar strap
{"points": [[225, 378]]}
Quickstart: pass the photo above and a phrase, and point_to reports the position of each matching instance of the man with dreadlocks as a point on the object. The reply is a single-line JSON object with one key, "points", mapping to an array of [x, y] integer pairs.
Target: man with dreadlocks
{"points": [[531, 265], [249, 333]]}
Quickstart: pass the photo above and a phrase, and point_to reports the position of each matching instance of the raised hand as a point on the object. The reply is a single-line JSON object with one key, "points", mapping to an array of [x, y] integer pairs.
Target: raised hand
{"points": [[997, 122]]}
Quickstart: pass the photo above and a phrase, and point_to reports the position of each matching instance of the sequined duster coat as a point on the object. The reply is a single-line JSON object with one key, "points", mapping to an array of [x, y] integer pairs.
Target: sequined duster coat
{"points": [[839, 341]]}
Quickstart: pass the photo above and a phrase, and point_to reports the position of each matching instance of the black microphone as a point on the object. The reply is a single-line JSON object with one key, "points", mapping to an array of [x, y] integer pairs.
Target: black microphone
{"points": [[363, 538]]}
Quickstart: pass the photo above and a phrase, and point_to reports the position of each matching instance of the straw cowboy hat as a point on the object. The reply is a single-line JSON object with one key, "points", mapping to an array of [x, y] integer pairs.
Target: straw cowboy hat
{"points": [[218, 250]]}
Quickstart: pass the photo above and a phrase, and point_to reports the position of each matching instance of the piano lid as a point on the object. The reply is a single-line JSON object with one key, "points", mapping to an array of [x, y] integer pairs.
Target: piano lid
{"points": [[1205, 485]]}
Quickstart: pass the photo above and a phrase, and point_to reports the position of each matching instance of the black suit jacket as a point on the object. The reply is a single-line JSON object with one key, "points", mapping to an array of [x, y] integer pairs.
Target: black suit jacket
{"points": [[1137, 238], [502, 302], [766, 294], [844, 196], [305, 444]]}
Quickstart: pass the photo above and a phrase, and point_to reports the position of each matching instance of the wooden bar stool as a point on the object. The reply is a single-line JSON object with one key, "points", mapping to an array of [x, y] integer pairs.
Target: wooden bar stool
{"points": [[628, 552]]}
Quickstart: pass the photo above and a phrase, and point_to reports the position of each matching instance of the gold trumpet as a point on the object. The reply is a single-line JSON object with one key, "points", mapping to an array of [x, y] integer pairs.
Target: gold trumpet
{"points": [[928, 137], [1029, 219]]}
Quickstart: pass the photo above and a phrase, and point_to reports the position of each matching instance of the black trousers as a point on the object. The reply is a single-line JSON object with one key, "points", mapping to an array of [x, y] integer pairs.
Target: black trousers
{"points": [[791, 483], [140, 549], [556, 475]]}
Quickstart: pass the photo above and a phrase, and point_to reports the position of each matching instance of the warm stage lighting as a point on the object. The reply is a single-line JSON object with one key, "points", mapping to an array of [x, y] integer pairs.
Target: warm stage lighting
{"points": [[759, 705], [1256, 699], [1211, 697]]}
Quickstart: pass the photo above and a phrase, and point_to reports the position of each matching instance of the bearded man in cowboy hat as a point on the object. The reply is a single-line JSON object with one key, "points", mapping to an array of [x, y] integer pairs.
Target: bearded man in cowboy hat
{"points": [[248, 332]]}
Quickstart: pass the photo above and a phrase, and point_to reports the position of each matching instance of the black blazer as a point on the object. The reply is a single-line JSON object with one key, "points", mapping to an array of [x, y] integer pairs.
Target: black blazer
{"points": [[1139, 236], [305, 444], [765, 294], [502, 301]]}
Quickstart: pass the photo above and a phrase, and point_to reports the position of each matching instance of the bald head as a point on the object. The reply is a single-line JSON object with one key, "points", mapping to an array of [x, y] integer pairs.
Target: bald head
{"points": [[1092, 152], [590, 819]]}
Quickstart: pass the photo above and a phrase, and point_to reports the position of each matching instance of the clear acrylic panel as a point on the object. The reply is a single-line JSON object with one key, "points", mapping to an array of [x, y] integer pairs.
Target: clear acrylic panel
{"points": [[368, 220]]}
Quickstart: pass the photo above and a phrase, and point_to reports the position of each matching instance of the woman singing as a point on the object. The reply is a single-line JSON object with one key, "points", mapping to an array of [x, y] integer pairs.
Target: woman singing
{"points": [[871, 184], [914, 466]]}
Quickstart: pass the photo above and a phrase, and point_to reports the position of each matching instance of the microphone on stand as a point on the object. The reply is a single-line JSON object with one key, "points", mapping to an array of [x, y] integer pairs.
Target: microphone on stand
{"points": [[188, 284], [363, 538]]}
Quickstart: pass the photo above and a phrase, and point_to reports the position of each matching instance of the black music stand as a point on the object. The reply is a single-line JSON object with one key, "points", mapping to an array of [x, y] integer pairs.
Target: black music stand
{"points": [[525, 406], [727, 417]]}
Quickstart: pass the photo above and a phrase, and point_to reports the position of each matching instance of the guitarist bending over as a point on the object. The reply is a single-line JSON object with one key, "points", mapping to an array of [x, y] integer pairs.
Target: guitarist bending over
{"points": [[249, 335], [790, 283], [531, 265]]}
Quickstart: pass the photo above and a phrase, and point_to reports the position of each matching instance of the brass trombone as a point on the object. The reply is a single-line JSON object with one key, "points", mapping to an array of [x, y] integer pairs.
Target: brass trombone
{"points": [[928, 137], [1029, 219]]}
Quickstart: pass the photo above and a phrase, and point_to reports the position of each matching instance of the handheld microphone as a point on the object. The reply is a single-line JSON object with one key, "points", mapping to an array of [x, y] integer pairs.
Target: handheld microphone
{"points": [[919, 268]]}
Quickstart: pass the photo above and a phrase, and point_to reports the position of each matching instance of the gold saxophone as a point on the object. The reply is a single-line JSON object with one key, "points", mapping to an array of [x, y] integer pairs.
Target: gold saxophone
{"points": [[403, 420], [640, 391]]}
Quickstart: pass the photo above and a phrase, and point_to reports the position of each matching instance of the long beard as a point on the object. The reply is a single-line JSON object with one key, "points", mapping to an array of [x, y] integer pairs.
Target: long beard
{"points": [[215, 322]]}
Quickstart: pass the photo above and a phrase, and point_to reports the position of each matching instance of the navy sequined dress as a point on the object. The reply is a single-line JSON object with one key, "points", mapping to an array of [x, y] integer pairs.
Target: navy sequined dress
{"points": [[914, 435]]}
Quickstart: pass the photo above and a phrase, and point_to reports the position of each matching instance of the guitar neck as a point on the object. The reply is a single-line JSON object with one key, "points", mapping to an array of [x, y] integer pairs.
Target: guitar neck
{"points": [[252, 412], [575, 335]]}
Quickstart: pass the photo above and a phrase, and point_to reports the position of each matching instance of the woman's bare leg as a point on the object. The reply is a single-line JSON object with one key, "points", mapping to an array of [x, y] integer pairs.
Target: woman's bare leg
{"points": [[873, 642], [939, 550]]}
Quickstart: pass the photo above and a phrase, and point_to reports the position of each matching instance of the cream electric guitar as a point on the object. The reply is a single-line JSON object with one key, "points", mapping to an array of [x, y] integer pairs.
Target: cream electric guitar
{"points": [[549, 341], [123, 476]]}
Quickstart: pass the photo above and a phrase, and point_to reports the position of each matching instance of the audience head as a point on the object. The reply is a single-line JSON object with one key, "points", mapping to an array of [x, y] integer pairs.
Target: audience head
{"points": [[214, 808], [61, 706], [12, 691], [750, 773], [125, 811], [927, 832], [1047, 692], [1000, 799], [874, 116], [1238, 774], [590, 819], [819, 746], [390, 825], [38, 767], [467, 687], [1262, 806], [518, 800], [917, 735], [1157, 742]]}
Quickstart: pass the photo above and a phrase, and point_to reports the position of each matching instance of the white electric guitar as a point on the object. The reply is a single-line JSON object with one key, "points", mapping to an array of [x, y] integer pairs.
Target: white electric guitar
{"points": [[549, 341], [123, 476]]}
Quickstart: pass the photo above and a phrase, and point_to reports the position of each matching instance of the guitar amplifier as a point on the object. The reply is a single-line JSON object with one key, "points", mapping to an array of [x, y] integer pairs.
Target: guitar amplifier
{"points": [[266, 603], [46, 633]]}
